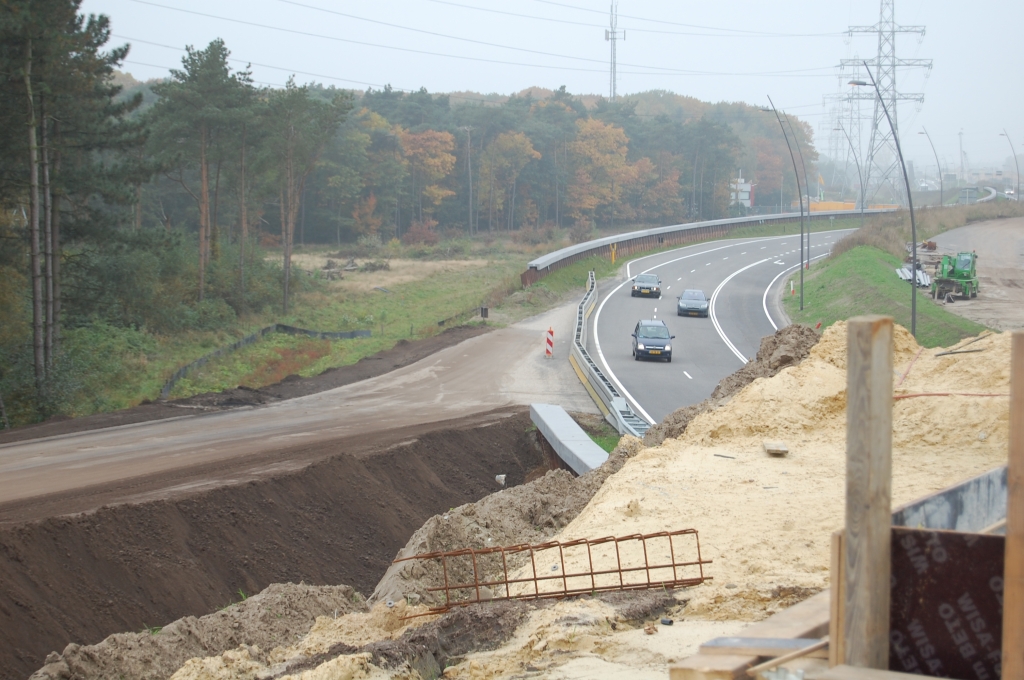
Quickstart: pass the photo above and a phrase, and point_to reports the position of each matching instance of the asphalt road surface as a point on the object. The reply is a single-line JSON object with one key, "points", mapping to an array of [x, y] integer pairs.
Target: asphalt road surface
{"points": [[741, 276]]}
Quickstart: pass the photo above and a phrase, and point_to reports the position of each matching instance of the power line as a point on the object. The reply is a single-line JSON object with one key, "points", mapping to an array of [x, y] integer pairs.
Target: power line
{"points": [[469, 40], [800, 73], [749, 34]]}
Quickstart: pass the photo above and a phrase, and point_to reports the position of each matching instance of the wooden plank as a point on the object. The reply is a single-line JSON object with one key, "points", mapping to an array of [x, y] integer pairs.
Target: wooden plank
{"points": [[836, 599], [868, 491], [853, 673], [807, 619], [711, 667], [755, 646], [1013, 570]]}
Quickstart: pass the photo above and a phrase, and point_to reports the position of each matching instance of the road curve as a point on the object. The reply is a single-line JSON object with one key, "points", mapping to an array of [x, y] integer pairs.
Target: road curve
{"points": [[501, 368], [742, 276]]}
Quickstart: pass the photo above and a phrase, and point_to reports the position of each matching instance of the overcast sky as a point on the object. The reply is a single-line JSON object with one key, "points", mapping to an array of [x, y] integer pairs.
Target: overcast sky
{"points": [[715, 51]]}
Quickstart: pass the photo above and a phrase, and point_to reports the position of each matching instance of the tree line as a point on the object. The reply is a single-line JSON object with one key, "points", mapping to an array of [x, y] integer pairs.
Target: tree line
{"points": [[146, 204]]}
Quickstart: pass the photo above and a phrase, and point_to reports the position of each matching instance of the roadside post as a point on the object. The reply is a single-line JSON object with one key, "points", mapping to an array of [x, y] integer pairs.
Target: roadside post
{"points": [[549, 344]]}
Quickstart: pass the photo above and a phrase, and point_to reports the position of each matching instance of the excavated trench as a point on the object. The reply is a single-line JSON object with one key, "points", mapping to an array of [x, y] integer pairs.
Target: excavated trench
{"points": [[339, 520]]}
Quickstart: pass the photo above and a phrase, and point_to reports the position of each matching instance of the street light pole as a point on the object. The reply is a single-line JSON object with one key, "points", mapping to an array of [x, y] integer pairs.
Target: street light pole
{"points": [[860, 177], [910, 201], [937, 163], [1014, 153], [796, 173], [807, 188]]}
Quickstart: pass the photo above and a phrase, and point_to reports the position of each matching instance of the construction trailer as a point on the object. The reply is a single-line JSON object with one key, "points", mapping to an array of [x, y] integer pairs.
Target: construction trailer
{"points": [[934, 589]]}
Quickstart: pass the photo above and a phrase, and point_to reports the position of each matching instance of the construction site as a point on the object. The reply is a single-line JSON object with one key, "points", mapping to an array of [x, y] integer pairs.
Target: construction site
{"points": [[749, 483]]}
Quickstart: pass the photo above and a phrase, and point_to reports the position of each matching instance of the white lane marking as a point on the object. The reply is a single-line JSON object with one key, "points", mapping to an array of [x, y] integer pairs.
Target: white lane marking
{"points": [[778, 262], [692, 270], [763, 247], [655, 309], [714, 318], [764, 298], [743, 253], [681, 278], [669, 288], [708, 264], [726, 257], [688, 375]]}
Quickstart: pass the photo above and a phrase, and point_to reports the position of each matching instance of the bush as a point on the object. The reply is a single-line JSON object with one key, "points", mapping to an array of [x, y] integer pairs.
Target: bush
{"points": [[421, 232], [581, 231]]}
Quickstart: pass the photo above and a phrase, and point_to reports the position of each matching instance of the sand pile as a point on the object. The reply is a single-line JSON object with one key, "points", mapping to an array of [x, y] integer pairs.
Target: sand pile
{"points": [[278, 615], [787, 347]]}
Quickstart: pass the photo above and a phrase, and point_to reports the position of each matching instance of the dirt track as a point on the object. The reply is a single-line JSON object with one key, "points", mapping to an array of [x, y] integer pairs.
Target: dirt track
{"points": [[496, 370]]}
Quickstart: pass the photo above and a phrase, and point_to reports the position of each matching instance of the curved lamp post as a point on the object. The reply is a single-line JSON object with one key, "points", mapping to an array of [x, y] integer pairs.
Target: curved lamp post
{"points": [[937, 163], [859, 175], [807, 187], [910, 201], [1014, 153], [800, 198]]}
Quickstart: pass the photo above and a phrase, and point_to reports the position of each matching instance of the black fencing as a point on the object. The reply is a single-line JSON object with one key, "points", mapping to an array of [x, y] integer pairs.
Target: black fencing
{"points": [[248, 340]]}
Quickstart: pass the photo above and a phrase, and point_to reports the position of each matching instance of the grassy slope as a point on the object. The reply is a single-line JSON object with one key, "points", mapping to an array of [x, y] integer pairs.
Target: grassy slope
{"points": [[863, 281]]}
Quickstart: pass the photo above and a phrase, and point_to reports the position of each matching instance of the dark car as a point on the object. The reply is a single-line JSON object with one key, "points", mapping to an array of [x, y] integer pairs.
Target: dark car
{"points": [[693, 303], [652, 339], [646, 284]]}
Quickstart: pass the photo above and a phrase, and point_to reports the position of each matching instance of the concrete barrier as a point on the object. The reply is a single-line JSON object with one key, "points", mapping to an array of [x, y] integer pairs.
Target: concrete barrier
{"points": [[570, 442]]}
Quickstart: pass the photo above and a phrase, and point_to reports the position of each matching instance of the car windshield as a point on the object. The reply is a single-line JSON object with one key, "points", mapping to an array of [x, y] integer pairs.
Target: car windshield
{"points": [[647, 279], [693, 295], [656, 332]]}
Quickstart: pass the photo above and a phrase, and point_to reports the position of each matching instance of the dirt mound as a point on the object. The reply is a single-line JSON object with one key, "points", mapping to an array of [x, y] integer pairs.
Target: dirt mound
{"points": [[274, 617], [789, 346], [339, 520], [402, 354], [530, 513]]}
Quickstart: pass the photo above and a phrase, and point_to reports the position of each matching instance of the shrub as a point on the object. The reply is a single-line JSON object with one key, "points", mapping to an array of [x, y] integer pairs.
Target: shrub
{"points": [[421, 232]]}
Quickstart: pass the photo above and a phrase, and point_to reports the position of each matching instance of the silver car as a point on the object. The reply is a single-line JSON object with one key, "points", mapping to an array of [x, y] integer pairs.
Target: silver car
{"points": [[692, 302]]}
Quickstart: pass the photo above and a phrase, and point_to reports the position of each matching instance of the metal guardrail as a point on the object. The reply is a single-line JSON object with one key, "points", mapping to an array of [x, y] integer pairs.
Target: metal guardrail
{"points": [[616, 409], [661, 237]]}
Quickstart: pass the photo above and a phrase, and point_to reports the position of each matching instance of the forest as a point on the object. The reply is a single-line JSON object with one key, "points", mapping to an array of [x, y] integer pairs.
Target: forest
{"points": [[134, 209]]}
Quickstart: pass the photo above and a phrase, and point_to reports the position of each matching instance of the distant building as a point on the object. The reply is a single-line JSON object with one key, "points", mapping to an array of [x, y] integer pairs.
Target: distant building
{"points": [[741, 192]]}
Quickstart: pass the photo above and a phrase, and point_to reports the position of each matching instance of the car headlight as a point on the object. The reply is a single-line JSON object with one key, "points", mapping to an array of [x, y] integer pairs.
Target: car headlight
{"points": [[704, 306], [668, 348], [640, 345], [636, 287]]}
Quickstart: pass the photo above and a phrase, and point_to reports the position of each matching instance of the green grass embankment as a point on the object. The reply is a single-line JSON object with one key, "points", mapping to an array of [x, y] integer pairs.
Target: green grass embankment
{"points": [[863, 281]]}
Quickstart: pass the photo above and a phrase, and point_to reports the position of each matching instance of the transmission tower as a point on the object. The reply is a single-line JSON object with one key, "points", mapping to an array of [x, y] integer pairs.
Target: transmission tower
{"points": [[881, 159], [611, 34]]}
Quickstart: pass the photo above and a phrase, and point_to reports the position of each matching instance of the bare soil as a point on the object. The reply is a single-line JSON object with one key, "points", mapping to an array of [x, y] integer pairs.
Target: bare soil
{"points": [[77, 578], [402, 354]]}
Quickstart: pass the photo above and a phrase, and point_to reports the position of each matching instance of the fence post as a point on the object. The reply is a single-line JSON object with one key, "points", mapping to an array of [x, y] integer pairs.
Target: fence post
{"points": [[868, 549], [1013, 569]]}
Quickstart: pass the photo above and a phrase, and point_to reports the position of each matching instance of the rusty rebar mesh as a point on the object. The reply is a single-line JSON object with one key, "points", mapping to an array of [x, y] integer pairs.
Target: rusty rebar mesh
{"points": [[666, 559]]}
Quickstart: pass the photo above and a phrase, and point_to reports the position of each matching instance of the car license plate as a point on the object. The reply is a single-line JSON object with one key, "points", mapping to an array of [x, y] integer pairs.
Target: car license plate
{"points": [[655, 351], [693, 313], [645, 290]]}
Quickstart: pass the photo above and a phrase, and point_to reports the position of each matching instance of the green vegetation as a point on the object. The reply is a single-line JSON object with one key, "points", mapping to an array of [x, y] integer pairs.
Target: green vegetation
{"points": [[608, 442], [862, 280]]}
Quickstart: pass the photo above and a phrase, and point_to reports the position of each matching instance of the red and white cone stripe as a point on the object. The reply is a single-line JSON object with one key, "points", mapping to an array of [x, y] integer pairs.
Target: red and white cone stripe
{"points": [[550, 343]]}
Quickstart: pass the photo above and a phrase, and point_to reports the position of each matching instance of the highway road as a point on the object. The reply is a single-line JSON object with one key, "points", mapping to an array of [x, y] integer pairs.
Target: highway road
{"points": [[742, 278]]}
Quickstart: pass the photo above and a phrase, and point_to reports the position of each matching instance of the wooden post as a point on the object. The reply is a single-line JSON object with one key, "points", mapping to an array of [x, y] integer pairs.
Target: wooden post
{"points": [[868, 491], [1013, 569]]}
